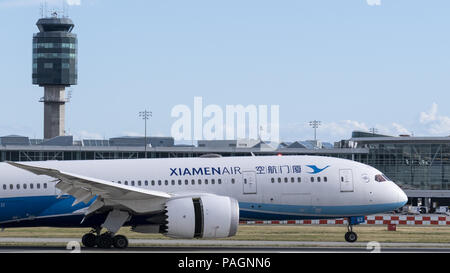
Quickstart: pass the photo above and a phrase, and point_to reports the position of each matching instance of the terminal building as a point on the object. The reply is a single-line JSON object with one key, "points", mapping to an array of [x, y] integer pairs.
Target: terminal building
{"points": [[419, 165]]}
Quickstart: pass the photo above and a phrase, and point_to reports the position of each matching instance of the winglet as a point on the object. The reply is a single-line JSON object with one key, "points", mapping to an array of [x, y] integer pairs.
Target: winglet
{"points": [[35, 170]]}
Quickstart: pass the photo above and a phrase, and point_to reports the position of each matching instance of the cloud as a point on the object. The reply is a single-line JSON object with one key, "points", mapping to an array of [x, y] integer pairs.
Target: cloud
{"points": [[327, 131], [400, 129], [338, 130], [373, 2], [427, 123], [344, 128], [426, 117], [442, 127], [435, 124], [356, 125], [83, 134]]}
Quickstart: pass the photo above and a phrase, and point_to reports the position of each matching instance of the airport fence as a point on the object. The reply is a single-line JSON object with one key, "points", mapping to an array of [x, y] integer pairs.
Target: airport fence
{"points": [[385, 219]]}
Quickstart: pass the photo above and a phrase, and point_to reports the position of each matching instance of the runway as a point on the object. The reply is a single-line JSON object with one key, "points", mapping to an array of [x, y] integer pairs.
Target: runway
{"points": [[253, 250], [67, 245]]}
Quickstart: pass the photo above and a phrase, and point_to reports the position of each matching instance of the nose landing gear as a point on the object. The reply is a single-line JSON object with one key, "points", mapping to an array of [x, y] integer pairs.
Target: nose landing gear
{"points": [[351, 236]]}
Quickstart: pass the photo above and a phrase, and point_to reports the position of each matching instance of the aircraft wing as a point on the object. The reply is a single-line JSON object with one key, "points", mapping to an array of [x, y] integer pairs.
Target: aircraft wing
{"points": [[84, 188]]}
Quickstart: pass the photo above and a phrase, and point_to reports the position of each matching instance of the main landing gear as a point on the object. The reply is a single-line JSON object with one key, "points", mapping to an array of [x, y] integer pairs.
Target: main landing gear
{"points": [[351, 236], [113, 222], [105, 240]]}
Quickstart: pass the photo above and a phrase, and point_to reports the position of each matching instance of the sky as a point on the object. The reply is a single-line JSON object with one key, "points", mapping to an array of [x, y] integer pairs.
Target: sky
{"points": [[353, 65]]}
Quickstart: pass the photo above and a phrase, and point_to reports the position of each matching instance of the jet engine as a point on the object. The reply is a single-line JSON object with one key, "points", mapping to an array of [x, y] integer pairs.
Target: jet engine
{"points": [[209, 216]]}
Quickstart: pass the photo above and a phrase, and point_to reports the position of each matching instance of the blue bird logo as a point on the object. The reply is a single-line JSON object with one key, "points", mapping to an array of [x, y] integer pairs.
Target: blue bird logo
{"points": [[316, 169]]}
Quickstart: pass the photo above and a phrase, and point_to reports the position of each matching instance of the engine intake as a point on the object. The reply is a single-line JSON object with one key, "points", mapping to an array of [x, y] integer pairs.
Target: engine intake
{"points": [[209, 216]]}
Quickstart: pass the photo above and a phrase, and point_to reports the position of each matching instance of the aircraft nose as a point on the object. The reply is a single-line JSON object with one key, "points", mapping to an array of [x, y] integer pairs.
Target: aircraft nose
{"points": [[402, 197]]}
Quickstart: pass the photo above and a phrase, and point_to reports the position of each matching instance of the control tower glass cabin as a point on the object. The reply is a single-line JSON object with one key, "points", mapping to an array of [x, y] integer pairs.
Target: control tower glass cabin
{"points": [[54, 68]]}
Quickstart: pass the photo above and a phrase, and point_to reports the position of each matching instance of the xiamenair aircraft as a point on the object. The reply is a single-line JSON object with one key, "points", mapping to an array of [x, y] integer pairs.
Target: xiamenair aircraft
{"points": [[189, 197]]}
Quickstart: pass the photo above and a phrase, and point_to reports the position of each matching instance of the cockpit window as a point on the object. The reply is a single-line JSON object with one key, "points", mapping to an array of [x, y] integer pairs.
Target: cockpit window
{"points": [[380, 178], [387, 178]]}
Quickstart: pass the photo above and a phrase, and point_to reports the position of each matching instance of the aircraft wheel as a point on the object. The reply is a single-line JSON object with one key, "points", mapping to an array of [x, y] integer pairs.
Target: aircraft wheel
{"points": [[351, 237], [105, 241], [120, 242], [89, 240]]}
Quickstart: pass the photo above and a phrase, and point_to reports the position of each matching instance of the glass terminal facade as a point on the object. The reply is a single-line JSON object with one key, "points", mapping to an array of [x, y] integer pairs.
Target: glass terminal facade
{"points": [[413, 163]]}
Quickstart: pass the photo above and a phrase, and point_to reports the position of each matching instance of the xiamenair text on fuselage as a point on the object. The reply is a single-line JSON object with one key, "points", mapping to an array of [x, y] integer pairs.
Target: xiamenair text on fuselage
{"points": [[205, 171]]}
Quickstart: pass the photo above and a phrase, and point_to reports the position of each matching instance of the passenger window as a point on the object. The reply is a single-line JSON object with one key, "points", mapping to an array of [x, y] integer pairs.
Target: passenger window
{"points": [[179, 182], [279, 179], [24, 186], [132, 182], [126, 182], [166, 182], [18, 186], [292, 180], [219, 181], [159, 182], [139, 183], [38, 186], [325, 179], [299, 179], [146, 182], [232, 180], [11, 187], [193, 182], [273, 180], [31, 186], [285, 180], [318, 179], [206, 181], [213, 181], [199, 181], [186, 182], [173, 182], [153, 182], [4, 186], [119, 182], [245, 180], [45, 185], [312, 179]]}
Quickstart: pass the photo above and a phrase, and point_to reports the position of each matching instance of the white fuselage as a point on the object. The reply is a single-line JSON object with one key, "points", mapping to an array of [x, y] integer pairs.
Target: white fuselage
{"points": [[266, 187]]}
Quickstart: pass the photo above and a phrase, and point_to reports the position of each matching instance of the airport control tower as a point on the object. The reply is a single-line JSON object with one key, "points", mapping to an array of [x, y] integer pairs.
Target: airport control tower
{"points": [[54, 68]]}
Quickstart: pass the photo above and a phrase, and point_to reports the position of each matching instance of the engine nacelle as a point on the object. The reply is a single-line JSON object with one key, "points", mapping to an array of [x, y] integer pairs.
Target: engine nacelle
{"points": [[209, 216]]}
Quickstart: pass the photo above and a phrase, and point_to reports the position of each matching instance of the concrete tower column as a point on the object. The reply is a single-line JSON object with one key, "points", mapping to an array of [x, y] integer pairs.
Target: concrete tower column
{"points": [[54, 111]]}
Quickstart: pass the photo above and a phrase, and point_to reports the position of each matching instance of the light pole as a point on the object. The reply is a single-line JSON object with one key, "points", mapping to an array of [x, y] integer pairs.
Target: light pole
{"points": [[373, 130], [145, 115], [315, 124]]}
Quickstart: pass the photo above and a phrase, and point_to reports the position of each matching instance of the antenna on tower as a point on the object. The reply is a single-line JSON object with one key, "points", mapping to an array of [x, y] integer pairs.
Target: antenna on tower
{"points": [[41, 10], [63, 9], [45, 9]]}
